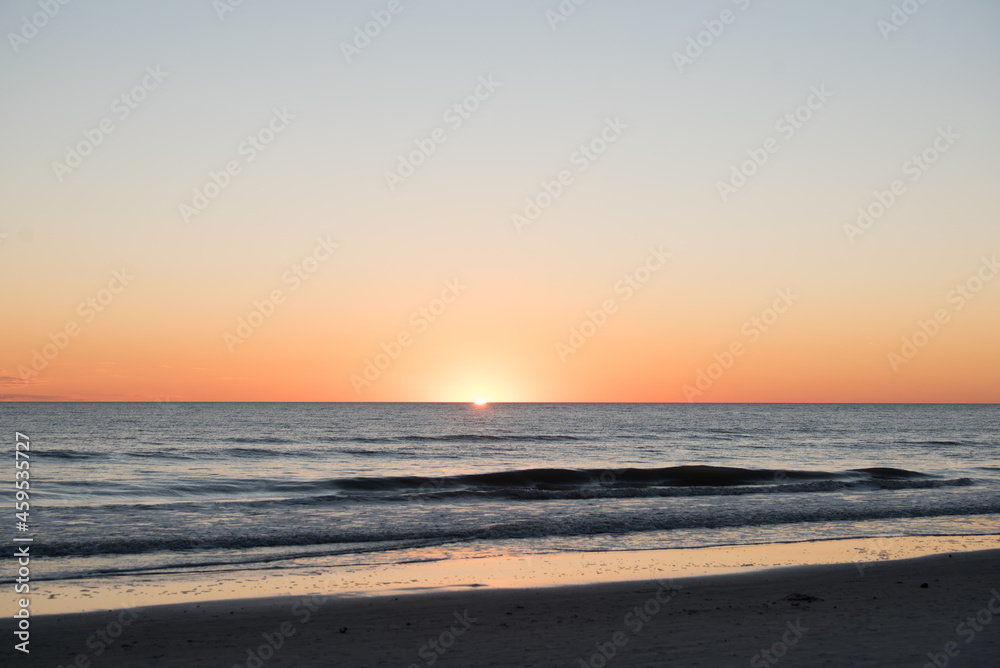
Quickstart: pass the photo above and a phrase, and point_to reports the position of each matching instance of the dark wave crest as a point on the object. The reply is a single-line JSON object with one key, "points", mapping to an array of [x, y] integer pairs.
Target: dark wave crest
{"points": [[673, 476], [529, 484]]}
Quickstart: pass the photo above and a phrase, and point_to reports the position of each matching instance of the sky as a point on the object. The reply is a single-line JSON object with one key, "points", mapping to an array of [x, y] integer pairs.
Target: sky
{"points": [[444, 200]]}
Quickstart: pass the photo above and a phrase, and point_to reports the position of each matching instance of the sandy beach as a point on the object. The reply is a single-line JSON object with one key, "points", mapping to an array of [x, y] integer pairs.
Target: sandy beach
{"points": [[933, 610]]}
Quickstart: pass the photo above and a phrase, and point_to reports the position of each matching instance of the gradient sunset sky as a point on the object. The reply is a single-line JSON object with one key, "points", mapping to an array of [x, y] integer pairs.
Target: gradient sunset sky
{"points": [[667, 120]]}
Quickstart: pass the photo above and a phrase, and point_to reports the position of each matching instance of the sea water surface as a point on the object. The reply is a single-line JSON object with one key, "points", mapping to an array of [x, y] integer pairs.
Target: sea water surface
{"points": [[133, 488]]}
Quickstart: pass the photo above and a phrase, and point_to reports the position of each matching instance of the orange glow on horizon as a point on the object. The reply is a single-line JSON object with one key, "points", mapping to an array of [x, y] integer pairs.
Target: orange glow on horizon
{"points": [[380, 251]]}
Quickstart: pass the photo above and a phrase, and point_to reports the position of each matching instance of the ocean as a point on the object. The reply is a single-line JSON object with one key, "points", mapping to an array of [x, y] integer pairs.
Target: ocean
{"points": [[161, 488]]}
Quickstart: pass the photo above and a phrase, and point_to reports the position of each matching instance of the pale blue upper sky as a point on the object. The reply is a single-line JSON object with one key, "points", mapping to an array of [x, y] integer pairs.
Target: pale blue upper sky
{"points": [[657, 184]]}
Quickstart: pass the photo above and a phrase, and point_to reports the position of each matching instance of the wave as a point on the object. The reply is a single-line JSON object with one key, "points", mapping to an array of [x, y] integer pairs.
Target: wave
{"points": [[72, 454], [243, 556], [466, 438], [261, 452], [360, 539], [165, 453], [244, 446], [673, 476], [889, 473], [190, 453], [936, 442], [262, 440], [521, 485], [529, 494]]}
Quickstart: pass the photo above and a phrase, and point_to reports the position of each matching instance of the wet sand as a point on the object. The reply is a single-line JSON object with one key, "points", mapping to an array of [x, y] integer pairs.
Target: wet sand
{"points": [[936, 610], [421, 574]]}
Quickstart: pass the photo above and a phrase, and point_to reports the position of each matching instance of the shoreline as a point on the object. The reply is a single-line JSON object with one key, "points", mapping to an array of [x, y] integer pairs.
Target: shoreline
{"points": [[495, 572], [895, 612]]}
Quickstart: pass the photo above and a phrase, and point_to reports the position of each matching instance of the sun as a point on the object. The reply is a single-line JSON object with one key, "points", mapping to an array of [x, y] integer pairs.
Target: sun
{"points": [[479, 402]]}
